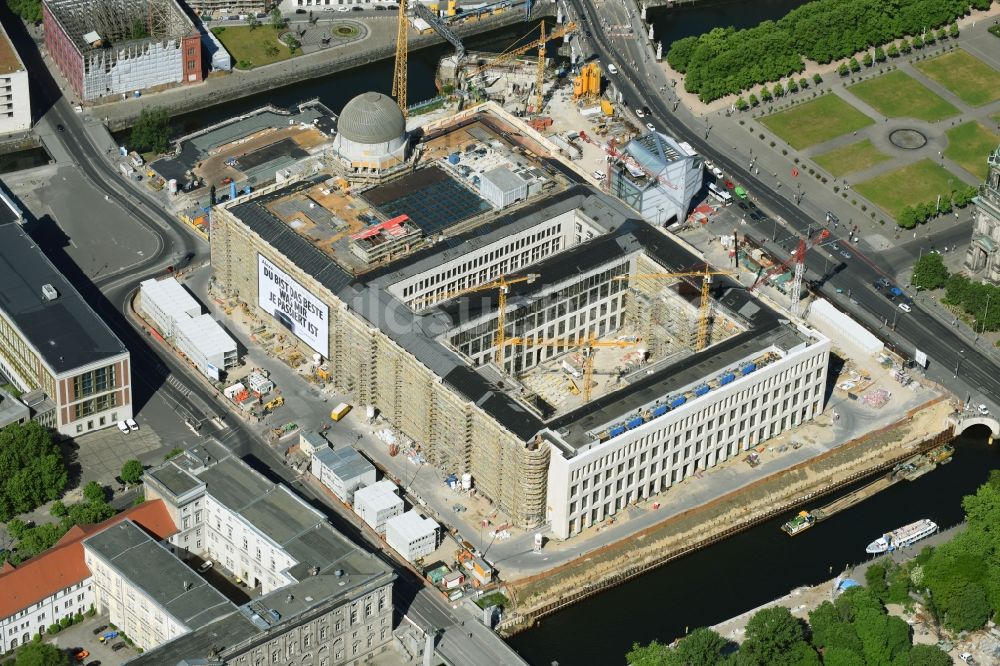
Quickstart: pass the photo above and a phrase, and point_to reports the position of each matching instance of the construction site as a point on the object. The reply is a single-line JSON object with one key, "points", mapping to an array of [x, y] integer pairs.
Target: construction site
{"points": [[122, 47]]}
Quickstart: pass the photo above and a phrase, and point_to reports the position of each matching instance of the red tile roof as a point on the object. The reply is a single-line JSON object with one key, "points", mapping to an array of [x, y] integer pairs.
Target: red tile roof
{"points": [[62, 565]]}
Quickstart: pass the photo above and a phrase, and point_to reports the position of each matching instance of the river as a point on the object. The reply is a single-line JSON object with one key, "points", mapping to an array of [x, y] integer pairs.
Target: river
{"points": [[750, 568], [698, 17]]}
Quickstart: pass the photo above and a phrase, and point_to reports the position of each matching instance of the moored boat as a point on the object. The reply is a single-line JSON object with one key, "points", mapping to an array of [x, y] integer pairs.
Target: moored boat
{"points": [[903, 536], [800, 523]]}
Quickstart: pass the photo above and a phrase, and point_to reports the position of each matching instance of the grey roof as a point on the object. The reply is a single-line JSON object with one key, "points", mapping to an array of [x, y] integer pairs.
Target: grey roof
{"points": [[12, 409], [65, 332], [176, 588], [504, 178], [371, 117], [345, 463], [173, 478]]}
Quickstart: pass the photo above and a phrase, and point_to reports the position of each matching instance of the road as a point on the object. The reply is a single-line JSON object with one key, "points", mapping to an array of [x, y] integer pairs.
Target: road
{"points": [[955, 360], [161, 381]]}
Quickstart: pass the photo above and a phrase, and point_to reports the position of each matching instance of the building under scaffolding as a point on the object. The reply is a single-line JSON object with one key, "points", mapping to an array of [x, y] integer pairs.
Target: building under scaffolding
{"points": [[112, 47]]}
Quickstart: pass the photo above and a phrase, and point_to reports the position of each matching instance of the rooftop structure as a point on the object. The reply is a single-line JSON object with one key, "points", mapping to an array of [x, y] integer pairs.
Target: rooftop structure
{"points": [[112, 47], [371, 133], [165, 302], [206, 344], [411, 535], [377, 503], [658, 176], [416, 335], [52, 340]]}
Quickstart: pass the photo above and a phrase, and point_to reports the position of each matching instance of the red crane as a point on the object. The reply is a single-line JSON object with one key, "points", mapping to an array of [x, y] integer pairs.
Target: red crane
{"points": [[799, 259]]}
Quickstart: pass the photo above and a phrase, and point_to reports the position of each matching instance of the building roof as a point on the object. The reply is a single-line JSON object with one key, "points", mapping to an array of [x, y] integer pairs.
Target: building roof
{"points": [[378, 496], [206, 334], [176, 588], [83, 20], [65, 331], [12, 409], [63, 565], [345, 463], [504, 178], [371, 117], [10, 62], [411, 526], [171, 297]]}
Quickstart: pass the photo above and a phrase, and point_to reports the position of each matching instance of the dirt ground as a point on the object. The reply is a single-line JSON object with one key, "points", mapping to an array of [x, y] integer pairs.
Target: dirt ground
{"points": [[691, 527]]}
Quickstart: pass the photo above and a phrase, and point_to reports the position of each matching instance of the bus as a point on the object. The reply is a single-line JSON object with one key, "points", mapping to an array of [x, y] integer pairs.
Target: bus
{"points": [[720, 194]]}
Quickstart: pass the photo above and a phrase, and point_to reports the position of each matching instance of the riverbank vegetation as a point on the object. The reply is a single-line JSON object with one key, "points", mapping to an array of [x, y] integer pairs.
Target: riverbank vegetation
{"points": [[956, 583], [726, 61]]}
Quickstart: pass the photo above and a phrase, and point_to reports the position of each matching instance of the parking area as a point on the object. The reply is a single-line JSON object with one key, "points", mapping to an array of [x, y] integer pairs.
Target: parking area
{"points": [[86, 636]]}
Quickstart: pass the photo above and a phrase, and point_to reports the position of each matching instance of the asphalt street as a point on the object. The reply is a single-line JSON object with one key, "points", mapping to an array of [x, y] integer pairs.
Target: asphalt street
{"points": [[954, 360], [163, 384]]}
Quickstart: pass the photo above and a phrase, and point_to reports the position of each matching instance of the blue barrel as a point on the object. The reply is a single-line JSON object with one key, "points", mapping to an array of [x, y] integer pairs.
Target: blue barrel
{"points": [[677, 402], [726, 378], [635, 423], [659, 411], [454, 158], [701, 390], [748, 368], [617, 430]]}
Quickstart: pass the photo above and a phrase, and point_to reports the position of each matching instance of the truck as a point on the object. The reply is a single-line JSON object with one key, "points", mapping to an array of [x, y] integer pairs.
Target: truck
{"points": [[340, 411]]}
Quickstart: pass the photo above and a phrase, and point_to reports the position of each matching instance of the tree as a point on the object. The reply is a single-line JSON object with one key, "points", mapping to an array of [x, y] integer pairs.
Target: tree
{"points": [[928, 655], [929, 37], [918, 42], [765, 94], [29, 10], [843, 70], [879, 54], [151, 131], [58, 509], [867, 59], [817, 79], [131, 472], [741, 104], [93, 492], [654, 654], [702, 647], [855, 65], [40, 654], [270, 49], [278, 21], [293, 44], [803, 83], [17, 528], [907, 218], [969, 610], [770, 636], [779, 90], [793, 86], [32, 470], [953, 31], [906, 46], [753, 100], [252, 21], [928, 273], [893, 51], [875, 575]]}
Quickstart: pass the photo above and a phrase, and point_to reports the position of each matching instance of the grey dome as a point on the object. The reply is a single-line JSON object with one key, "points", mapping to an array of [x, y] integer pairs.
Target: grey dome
{"points": [[372, 118]]}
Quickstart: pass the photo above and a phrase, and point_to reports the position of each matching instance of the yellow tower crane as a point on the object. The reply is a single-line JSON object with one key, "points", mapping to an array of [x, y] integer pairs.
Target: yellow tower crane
{"points": [[399, 76], [588, 345], [540, 71], [507, 56], [705, 309], [502, 285]]}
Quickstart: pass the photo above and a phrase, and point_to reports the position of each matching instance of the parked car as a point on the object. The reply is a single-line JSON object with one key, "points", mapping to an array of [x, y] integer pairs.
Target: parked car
{"points": [[640, 113], [904, 307], [984, 410], [118, 646], [845, 254], [132, 425], [123, 427], [743, 205], [101, 628], [107, 636], [206, 565], [651, 127], [80, 654]]}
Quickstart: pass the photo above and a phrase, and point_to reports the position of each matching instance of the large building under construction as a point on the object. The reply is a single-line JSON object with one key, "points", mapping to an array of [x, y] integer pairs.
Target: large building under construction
{"points": [[603, 382], [113, 47]]}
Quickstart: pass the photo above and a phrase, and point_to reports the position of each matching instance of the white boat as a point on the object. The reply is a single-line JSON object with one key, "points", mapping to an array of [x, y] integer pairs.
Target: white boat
{"points": [[903, 536]]}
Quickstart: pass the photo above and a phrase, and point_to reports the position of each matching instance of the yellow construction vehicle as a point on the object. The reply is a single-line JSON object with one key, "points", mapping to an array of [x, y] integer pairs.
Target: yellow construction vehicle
{"points": [[274, 403], [588, 345], [705, 309]]}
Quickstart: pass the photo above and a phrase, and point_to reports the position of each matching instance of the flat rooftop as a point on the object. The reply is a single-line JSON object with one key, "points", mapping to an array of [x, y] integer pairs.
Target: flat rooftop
{"points": [[10, 62], [345, 462], [64, 331], [95, 24], [176, 588], [440, 197]]}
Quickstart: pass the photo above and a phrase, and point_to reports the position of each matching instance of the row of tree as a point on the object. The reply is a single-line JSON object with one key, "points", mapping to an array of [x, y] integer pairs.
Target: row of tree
{"points": [[726, 60], [911, 216], [957, 582], [778, 90]]}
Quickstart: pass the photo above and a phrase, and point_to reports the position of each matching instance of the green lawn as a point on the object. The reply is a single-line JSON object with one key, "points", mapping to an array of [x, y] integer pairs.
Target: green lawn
{"points": [[250, 47], [914, 184], [817, 121], [970, 144], [971, 79], [898, 95], [852, 157]]}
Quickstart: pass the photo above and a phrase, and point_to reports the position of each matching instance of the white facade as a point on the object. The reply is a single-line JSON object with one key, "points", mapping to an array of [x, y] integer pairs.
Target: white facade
{"points": [[677, 173], [342, 470], [207, 344], [411, 535], [601, 479], [502, 187], [378, 503], [15, 106], [18, 628], [165, 302]]}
